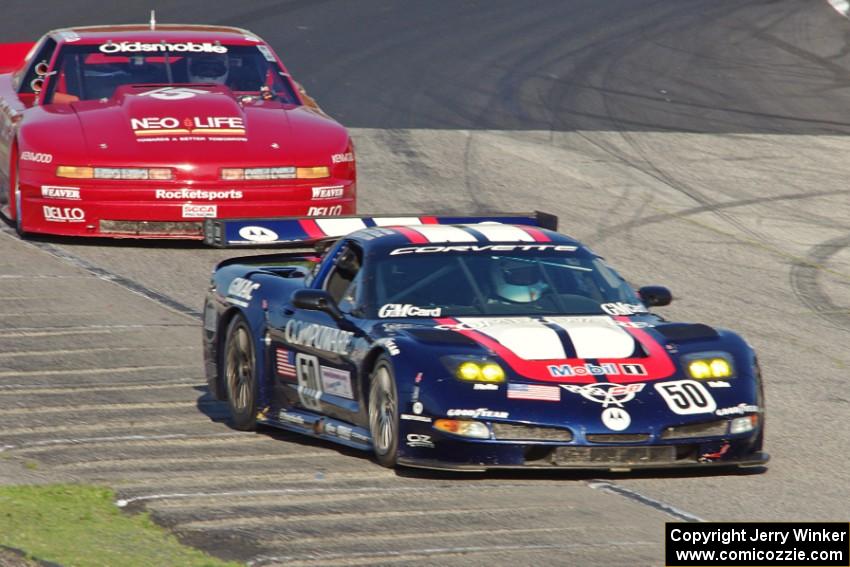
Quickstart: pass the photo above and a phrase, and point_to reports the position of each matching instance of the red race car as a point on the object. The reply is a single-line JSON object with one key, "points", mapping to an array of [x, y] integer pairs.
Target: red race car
{"points": [[145, 131]]}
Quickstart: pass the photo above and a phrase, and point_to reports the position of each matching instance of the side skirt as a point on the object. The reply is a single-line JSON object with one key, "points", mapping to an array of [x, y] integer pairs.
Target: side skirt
{"points": [[314, 425]]}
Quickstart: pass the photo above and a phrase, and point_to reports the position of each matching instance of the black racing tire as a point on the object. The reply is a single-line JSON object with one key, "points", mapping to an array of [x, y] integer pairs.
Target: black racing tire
{"points": [[15, 199], [240, 374], [383, 412]]}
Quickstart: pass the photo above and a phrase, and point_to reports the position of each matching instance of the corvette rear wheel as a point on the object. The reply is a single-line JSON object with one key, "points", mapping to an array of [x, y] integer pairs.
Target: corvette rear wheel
{"points": [[240, 374], [383, 413]]}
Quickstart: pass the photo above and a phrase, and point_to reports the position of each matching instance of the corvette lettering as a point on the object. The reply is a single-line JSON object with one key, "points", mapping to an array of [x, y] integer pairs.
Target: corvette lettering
{"points": [[37, 158], [608, 368], [63, 214], [318, 337], [139, 47], [406, 310], [475, 413], [56, 192], [484, 248], [197, 194]]}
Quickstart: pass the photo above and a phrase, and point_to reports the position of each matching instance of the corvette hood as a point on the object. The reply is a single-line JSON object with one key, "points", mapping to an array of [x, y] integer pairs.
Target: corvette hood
{"points": [[198, 124], [575, 349]]}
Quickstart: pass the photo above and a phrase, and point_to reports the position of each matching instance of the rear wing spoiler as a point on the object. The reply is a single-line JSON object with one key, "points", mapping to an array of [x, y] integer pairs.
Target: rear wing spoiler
{"points": [[300, 232], [12, 55]]}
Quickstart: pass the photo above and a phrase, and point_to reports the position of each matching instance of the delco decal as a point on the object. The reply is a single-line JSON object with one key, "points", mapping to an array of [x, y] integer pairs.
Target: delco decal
{"points": [[139, 47], [333, 211], [587, 369], [197, 125], [241, 291], [36, 157], [197, 194], [318, 337], [63, 214], [485, 248], [406, 310], [335, 192], [56, 192], [342, 158]]}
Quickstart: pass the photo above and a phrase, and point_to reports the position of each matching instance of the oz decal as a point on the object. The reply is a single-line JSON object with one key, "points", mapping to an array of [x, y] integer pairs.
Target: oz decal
{"points": [[309, 381], [686, 397]]}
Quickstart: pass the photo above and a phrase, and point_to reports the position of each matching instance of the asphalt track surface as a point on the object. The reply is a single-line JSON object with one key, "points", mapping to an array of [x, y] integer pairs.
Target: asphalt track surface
{"points": [[700, 144]]}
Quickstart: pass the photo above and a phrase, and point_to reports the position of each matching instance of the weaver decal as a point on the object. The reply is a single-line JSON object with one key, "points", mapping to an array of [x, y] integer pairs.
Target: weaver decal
{"points": [[337, 382], [57, 192], [318, 337], [161, 47], [333, 192], [532, 392]]}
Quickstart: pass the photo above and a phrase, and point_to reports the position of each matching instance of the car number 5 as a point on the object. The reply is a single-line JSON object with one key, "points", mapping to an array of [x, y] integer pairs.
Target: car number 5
{"points": [[686, 397]]}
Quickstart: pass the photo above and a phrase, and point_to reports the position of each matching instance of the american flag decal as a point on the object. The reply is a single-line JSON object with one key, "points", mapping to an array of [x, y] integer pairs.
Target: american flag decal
{"points": [[284, 364], [534, 392]]}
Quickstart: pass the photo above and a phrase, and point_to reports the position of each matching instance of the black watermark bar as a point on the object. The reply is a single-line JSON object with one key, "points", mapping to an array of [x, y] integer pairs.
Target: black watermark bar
{"points": [[757, 544]]}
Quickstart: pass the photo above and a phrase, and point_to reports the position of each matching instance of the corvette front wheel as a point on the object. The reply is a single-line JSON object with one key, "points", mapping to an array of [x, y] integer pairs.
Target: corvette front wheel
{"points": [[383, 413], [240, 374]]}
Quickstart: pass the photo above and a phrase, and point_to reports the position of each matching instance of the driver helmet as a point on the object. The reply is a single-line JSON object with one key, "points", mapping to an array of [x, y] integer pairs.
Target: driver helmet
{"points": [[517, 281], [209, 69]]}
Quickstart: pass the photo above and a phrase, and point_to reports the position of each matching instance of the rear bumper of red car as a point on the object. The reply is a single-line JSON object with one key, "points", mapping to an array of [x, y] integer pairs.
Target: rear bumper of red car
{"points": [[99, 210]]}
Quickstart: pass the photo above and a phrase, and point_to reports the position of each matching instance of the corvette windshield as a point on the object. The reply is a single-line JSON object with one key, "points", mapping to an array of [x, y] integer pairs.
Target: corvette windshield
{"points": [[456, 284], [86, 72]]}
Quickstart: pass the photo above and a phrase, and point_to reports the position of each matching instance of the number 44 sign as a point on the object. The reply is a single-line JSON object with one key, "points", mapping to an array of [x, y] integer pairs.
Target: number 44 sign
{"points": [[686, 397]]}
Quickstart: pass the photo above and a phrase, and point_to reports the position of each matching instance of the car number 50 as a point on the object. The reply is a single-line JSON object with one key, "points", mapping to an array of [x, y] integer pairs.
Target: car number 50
{"points": [[686, 397]]}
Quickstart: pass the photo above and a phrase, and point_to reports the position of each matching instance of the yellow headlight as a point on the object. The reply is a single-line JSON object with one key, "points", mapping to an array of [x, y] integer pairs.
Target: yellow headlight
{"points": [[708, 368], [75, 172], [720, 368], [469, 371], [699, 369]]}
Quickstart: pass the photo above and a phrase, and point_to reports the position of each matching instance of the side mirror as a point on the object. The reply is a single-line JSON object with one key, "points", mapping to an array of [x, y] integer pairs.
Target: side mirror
{"points": [[317, 300], [655, 295]]}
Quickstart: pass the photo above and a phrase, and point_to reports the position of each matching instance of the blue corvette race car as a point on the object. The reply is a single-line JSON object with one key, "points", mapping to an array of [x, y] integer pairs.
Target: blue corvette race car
{"points": [[470, 344]]}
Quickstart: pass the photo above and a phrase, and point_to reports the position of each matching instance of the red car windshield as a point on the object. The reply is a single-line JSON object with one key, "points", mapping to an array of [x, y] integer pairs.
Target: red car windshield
{"points": [[91, 72]]}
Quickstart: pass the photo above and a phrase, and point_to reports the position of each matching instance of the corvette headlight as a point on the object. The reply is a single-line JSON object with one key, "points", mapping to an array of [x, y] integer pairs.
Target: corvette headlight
{"points": [[464, 428], [127, 173], [475, 370], [709, 365]]}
